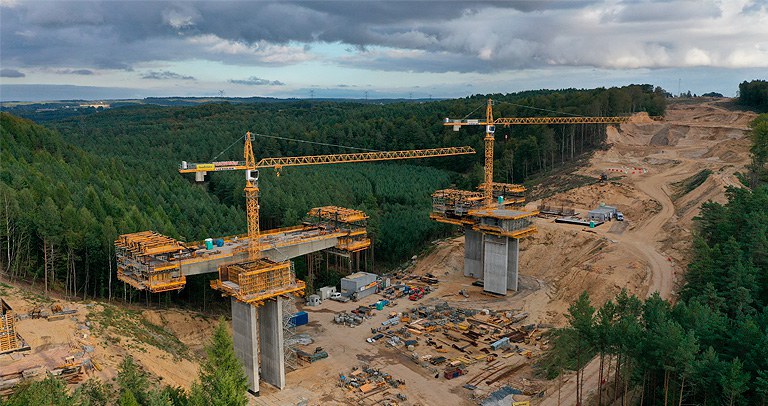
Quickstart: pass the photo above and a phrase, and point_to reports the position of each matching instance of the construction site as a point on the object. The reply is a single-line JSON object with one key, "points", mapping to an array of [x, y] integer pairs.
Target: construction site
{"points": [[464, 322]]}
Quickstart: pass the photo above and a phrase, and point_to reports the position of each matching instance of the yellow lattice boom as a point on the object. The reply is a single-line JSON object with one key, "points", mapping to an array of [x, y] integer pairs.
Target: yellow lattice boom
{"points": [[281, 162]]}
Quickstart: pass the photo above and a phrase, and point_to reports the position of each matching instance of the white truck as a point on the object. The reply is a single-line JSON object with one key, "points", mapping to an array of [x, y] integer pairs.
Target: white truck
{"points": [[338, 297]]}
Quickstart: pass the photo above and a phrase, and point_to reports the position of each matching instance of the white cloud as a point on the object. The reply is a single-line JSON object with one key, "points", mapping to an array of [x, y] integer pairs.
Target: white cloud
{"points": [[262, 51]]}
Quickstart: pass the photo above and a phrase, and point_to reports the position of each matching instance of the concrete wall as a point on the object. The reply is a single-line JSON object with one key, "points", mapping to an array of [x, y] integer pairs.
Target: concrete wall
{"points": [[513, 253], [271, 343], [495, 264], [245, 334], [473, 253]]}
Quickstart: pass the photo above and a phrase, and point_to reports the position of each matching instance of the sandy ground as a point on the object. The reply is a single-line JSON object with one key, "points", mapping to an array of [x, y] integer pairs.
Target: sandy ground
{"points": [[651, 250], [167, 343]]}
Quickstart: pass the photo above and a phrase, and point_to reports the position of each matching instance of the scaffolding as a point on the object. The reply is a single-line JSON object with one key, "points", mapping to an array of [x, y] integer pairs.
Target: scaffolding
{"points": [[505, 223], [351, 250], [510, 193], [149, 261], [255, 281], [453, 205], [289, 336], [314, 267], [10, 340]]}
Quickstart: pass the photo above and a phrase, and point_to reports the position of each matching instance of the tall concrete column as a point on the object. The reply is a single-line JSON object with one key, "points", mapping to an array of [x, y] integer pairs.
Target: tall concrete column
{"points": [[271, 343], [495, 264], [513, 252], [246, 338], [473, 253]]}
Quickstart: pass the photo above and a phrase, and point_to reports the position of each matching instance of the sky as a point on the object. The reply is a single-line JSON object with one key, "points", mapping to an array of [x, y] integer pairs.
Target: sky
{"points": [[64, 49]]}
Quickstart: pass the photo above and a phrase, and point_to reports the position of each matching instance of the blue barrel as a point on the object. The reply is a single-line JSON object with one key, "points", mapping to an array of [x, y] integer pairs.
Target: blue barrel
{"points": [[219, 242], [300, 319]]}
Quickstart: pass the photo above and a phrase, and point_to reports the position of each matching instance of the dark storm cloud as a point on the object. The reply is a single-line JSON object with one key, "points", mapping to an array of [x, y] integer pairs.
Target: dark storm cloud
{"points": [[11, 73], [436, 36], [165, 75], [255, 81]]}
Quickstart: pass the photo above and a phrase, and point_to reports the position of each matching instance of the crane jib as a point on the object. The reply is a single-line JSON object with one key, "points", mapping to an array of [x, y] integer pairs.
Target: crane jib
{"points": [[326, 159]]}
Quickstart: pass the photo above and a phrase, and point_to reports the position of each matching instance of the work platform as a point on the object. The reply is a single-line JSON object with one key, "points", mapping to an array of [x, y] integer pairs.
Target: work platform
{"points": [[150, 261], [491, 234]]}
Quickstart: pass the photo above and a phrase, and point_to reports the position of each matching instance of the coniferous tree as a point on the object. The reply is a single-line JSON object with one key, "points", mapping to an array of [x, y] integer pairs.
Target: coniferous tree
{"points": [[222, 380], [132, 379]]}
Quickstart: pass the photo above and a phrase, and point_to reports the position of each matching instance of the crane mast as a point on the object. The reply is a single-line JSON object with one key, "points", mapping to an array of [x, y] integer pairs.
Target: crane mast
{"points": [[251, 168], [489, 131], [490, 128], [251, 199]]}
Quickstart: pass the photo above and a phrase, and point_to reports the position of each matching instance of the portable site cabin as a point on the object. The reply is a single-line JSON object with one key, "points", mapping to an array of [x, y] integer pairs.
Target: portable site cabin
{"points": [[602, 213], [361, 284]]}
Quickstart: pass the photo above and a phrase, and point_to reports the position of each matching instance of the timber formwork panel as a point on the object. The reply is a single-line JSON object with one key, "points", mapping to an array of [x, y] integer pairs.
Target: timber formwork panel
{"points": [[9, 339], [258, 280]]}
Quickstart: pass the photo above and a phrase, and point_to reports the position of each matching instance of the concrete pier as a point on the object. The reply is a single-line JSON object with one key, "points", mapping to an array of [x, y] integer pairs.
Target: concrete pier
{"points": [[258, 342], [271, 342], [245, 334], [513, 254], [473, 253], [500, 264]]}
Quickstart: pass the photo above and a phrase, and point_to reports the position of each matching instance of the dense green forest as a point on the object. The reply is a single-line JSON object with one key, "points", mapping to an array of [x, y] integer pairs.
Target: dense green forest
{"points": [[709, 348], [754, 94], [67, 190]]}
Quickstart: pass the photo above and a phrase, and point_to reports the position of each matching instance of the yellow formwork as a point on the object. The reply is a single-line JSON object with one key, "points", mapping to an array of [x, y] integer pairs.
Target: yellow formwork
{"points": [[9, 340], [336, 213], [258, 280]]}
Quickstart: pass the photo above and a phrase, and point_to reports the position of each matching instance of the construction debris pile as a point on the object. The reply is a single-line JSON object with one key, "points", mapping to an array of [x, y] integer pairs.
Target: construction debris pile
{"points": [[355, 317], [66, 362], [456, 338], [364, 383]]}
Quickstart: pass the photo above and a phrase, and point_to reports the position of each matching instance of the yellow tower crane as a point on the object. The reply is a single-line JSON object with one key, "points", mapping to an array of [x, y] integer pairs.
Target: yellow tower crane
{"points": [[251, 167], [258, 279], [490, 127]]}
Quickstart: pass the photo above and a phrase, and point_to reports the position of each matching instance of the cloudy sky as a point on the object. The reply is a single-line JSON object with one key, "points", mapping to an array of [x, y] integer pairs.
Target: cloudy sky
{"points": [[353, 48]]}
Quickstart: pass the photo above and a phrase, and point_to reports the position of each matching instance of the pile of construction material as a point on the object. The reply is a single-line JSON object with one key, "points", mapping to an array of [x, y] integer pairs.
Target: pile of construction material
{"points": [[71, 369], [456, 338], [54, 313], [367, 382], [355, 317], [308, 358]]}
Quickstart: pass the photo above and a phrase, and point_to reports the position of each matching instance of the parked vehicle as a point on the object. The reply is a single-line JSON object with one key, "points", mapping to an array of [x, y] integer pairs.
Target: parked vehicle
{"points": [[339, 298], [374, 338], [619, 216], [454, 372]]}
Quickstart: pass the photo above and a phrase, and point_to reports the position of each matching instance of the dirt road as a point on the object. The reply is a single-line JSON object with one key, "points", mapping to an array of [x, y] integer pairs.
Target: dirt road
{"points": [[692, 138]]}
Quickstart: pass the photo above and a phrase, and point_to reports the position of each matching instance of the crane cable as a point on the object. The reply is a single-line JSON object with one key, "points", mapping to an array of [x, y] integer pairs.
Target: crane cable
{"points": [[315, 142], [291, 139], [538, 108]]}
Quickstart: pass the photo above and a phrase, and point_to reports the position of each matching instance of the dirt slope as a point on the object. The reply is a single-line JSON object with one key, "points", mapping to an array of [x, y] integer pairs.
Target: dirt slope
{"points": [[167, 343], [651, 159]]}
